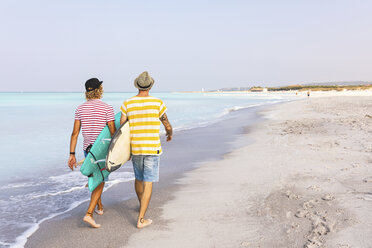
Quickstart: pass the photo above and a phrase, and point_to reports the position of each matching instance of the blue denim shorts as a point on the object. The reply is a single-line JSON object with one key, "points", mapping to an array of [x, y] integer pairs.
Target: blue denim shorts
{"points": [[146, 167]]}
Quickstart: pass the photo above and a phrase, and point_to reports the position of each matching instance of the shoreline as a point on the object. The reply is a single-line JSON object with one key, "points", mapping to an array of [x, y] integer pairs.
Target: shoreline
{"points": [[50, 201], [167, 174], [302, 181]]}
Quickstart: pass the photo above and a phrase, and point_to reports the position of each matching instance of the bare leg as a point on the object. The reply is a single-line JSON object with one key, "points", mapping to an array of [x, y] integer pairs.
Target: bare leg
{"points": [[96, 194], [99, 204], [138, 185], [99, 209], [145, 199]]}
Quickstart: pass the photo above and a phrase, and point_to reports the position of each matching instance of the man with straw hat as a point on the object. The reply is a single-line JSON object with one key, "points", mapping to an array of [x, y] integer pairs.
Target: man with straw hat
{"points": [[144, 113]]}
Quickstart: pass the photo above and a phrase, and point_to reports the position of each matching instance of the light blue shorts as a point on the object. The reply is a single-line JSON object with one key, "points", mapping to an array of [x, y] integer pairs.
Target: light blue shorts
{"points": [[146, 167]]}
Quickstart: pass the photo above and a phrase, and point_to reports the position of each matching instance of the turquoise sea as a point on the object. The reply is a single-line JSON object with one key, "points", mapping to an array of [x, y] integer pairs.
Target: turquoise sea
{"points": [[36, 183]]}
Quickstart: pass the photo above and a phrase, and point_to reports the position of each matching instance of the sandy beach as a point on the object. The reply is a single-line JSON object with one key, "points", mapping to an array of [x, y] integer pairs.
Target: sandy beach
{"points": [[300, 177]]}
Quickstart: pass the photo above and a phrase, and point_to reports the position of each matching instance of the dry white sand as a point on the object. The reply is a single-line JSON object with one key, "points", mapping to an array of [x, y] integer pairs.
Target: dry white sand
{"points": [[305, 182]]}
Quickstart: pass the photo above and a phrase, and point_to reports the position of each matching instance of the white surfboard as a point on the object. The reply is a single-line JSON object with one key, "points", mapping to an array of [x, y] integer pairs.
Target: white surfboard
{"points": [[119, 149]]}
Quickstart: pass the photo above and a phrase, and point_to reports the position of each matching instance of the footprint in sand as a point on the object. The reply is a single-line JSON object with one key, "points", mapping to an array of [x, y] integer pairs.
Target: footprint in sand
{"points": [[314, 187], [328, 197], [291, 195], [340, 211], [295, 225], [355, 165], [321, 213], [321, 227], [310, 204], [301, 213]]}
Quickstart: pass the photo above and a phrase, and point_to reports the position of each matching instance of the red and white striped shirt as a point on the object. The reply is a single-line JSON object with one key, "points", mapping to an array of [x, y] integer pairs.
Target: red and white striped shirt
{"points": [[94, 115]]}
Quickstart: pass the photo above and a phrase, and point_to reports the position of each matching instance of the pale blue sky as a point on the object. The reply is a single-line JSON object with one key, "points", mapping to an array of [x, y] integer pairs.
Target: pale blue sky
{"points": [[185, 45]]}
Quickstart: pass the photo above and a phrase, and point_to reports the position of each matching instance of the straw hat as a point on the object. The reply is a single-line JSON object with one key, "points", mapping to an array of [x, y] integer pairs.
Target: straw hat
{"points": [[144, 81]]}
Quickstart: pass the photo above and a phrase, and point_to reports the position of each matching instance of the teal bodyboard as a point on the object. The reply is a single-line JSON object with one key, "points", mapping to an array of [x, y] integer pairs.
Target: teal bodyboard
{"points": [[96, 172]]}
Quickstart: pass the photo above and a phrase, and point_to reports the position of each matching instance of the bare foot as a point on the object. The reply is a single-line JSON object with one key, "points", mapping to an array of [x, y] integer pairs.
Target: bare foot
{"points": [[88, 219], [99, 211], [143, 223]]}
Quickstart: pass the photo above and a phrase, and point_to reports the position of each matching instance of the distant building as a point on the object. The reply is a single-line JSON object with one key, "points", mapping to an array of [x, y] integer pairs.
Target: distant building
{"points": [[258, 89]]}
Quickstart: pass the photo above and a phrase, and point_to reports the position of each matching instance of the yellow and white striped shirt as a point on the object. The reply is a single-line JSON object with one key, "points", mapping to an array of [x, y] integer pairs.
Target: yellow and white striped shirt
{"points": [[143, 114]]}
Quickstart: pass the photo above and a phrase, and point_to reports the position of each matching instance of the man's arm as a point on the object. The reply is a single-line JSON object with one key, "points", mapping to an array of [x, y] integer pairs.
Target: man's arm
{"points": [[167, 126], [111, 126], [73, 141], [123, 119]]}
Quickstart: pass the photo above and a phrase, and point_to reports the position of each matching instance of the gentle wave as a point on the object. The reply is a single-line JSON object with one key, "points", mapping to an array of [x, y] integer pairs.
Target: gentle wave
{"points": [[17, 185], [22, 239], [59, 192], [118, 177], [5, 244], [220, 116]]}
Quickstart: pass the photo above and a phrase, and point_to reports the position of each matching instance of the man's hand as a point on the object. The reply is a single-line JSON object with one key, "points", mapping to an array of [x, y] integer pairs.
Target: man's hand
{"points": [[167, 126], [72, 162], [169, 136], [74, 136]]}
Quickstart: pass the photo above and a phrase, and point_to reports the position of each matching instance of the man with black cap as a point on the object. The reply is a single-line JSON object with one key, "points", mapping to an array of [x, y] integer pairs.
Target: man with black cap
{"points": [[144, 113], [92, 116]]}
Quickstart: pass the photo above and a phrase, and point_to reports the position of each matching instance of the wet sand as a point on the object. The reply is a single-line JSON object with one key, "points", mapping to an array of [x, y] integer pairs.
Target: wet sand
{"points": [[302, 177]]}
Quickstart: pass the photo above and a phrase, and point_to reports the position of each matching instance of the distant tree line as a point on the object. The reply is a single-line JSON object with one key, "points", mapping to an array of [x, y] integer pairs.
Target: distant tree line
{"points": [[321, 87], [338, 86]]}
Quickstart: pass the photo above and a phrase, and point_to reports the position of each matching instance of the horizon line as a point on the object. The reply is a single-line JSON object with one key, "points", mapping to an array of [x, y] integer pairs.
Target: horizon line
{"points": [[21, 91]]}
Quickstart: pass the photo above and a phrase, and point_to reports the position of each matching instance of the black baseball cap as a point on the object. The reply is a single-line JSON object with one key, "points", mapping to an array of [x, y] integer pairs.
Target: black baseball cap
{"points": [[92, 84]]}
